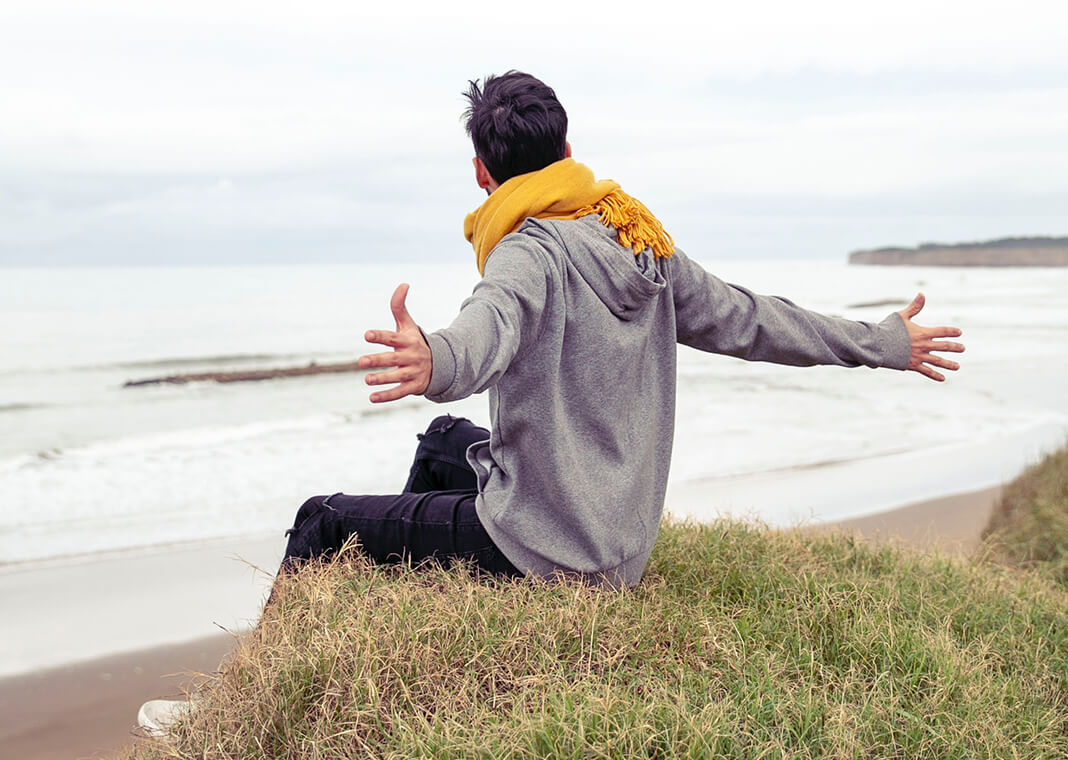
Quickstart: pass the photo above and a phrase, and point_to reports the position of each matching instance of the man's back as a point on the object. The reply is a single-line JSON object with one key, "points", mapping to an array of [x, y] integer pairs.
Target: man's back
{"points": [[574, 336]]}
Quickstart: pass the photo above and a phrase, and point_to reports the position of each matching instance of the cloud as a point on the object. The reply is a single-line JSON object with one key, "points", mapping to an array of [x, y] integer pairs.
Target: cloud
{"points": [[141, 131]]}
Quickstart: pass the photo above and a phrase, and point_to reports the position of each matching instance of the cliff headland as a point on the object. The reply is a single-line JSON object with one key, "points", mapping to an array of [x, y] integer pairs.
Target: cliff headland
{"points": [[1006, 252]]}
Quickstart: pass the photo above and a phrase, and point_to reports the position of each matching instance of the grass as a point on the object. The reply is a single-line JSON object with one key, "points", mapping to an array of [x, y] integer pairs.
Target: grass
{"points": [[1029, 528], [740, 642]]}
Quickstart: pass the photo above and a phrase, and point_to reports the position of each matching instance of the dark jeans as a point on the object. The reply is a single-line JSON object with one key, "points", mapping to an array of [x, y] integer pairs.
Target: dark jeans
{"points": [[433, 519]]}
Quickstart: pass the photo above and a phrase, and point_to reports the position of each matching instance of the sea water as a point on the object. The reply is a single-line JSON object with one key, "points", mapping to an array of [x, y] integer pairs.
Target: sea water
{"points": [[88, 465]]}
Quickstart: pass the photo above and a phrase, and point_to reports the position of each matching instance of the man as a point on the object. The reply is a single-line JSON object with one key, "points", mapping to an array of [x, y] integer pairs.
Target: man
{"points": [[572, 329]]}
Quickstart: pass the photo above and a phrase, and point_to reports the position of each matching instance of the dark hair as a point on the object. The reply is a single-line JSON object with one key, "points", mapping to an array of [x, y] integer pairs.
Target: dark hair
{"points": [[516, 124]]}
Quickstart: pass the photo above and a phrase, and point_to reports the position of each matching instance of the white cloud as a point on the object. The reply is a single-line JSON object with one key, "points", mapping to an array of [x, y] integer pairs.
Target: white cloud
{"points": [[325, 109]]}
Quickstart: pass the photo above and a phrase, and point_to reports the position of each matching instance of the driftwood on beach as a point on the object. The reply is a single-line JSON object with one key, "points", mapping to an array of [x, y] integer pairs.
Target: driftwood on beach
{"points": [[246, 375]]}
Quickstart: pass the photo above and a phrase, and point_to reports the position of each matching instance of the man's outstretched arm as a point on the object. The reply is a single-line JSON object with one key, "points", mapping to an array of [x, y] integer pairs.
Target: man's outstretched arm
{"points": [[470, 355], [410, 356], [924, 340], [714, 316]]}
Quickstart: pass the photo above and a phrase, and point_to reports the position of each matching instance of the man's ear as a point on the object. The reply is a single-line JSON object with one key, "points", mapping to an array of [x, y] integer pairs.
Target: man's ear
{"points": [[483, 177], [567, 149]]}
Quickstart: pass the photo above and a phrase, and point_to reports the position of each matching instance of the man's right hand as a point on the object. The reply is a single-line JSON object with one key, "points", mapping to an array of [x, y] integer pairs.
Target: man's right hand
{"points": [[923, 340], [410, 354]]}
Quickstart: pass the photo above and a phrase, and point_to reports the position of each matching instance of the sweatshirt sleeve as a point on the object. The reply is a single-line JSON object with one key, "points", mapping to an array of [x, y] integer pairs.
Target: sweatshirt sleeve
{"points": [[714, 316], [502, 313]]}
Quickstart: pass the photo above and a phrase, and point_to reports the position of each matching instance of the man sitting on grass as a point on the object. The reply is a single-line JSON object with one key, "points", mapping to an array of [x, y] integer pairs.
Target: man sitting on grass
{"points": [[572, 330]]}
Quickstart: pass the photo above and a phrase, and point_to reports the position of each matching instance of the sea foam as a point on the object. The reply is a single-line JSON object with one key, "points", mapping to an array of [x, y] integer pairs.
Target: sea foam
{"points": [[88, 466]]}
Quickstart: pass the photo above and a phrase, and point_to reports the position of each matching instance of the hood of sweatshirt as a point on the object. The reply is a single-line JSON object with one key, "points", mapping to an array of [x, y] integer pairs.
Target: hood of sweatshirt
{"points": [[624, 282]]}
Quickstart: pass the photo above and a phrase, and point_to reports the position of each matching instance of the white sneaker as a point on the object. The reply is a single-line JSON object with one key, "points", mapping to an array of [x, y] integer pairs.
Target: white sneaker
{"points": [[157, 716]]}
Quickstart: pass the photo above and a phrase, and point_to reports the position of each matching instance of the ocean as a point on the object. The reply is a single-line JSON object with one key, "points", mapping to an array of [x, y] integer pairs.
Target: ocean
{"points": [[88, 466]]}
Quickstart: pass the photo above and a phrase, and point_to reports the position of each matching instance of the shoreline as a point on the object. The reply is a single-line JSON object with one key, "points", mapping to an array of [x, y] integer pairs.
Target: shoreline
{"points": [[125, 602], [90, 707], [950, 524]]}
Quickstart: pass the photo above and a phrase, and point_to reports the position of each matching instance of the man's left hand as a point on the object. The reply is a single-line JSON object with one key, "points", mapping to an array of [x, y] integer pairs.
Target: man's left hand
{"points": [[924, 341], [410, 354]]}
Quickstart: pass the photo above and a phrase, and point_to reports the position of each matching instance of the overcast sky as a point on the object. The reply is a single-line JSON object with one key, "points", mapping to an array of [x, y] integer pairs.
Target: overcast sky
{"points": [[321, 132]]}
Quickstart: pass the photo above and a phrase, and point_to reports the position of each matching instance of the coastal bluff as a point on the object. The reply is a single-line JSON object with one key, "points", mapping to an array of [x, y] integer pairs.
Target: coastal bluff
{"points": [[1006, 252]]}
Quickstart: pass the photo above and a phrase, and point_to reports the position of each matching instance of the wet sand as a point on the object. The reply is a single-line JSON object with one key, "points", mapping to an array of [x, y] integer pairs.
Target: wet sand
{"points": [[89, 709], [950, 524]]}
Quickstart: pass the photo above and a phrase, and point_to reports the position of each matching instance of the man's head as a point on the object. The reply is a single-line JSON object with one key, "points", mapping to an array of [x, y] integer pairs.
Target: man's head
{"points": [[517, 126]]}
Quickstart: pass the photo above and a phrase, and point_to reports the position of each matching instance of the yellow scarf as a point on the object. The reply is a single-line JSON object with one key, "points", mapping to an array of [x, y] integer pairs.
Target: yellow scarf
{"points": [[564, 190]]}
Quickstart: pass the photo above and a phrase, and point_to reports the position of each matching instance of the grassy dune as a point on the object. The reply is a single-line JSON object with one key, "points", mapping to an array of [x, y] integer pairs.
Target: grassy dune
{"points": [[740, 642], [1029, 528]]}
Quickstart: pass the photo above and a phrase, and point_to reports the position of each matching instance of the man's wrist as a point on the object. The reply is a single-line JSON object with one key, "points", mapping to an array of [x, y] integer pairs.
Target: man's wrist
{"points": [[442, 365], [898, 351]]}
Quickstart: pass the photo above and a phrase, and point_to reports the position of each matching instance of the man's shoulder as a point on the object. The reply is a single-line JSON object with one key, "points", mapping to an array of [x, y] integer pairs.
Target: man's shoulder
{"points": [[589, 235], [544, 242], [527, 249], [563, 238], [586, 229]]}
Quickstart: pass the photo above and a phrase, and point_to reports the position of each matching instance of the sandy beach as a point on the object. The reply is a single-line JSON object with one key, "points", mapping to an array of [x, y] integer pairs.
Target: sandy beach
{"points": [[950, 524], [89, 709]]}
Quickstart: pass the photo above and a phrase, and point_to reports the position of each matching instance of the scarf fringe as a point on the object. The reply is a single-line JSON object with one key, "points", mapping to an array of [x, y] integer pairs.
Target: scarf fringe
{"points": [[636, 227]]}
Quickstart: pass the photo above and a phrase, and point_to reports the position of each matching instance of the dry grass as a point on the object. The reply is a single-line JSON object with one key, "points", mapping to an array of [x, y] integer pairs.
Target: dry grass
{"points": [[1029, 528], [740, 642]]}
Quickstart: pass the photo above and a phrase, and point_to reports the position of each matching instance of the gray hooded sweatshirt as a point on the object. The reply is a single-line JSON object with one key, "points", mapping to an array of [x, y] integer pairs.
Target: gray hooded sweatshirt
{"points": [[574, 337]]}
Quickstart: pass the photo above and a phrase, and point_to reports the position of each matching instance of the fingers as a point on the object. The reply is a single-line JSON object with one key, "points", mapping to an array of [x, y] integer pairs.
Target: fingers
{"points": [[400, 311], [926, 340], [411, 377], [940, 332], [915, 307], [388, 359], [399, 375], [938, 377], [395, 338], [388, 338], [410, 388], [941, 345], [410, 357], [407, 375], [938, 361], [411, 367], [922, 364]]}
